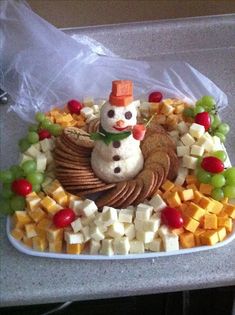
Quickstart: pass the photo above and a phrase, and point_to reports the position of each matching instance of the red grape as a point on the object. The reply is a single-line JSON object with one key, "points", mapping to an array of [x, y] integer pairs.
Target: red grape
{"points": [[212, 164], [172, 217], [43, 134], [64, 218], [155, 97], [203, 119], [74, 107], [21, 187]]}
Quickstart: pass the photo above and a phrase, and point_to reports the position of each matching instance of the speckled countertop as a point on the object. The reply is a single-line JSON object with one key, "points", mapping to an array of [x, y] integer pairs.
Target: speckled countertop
{"points": [[208, 44]]}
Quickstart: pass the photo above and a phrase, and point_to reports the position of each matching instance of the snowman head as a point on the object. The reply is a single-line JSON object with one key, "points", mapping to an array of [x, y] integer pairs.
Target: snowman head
{"points": [[119, 114]]}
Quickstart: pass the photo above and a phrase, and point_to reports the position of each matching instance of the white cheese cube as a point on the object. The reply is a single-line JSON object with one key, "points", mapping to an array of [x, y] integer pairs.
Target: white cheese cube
{"points": [[208, 145], [87, 220], [37, 146], [121, 246], [131, 208], [24, 157], [157, 203], [204, 138], [126, 215], [76, 225], [183, 150], [107, 247], [196, 130], [136, 247], [197, 150], [163, 230], [47, 145], [116, 230], [96, 109], [139, 224], [129, 231], [90, 118], [152, 224], [182, 127], [187, 139], [143, 211], [32, 151], [94, 247], [98, 219], [217, 144], [155, 245], [73, 238], [109, 216], [86, 112], [145, 237], [41, 161], [189, 162], [96, 233], [170, 242], [88, 101], [49, 157], [87, 208], [75, 205], [86, 233]]}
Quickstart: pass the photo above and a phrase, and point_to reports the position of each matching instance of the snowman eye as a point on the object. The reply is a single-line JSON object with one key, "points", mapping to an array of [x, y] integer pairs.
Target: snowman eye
{"points": [[128, 115], [111, 113]]}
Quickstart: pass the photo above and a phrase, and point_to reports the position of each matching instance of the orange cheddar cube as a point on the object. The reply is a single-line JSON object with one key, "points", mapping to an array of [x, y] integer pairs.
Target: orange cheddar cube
{"points": [[230, 210], [27, 241], [17, 234], [174, 200], [22, 217], [47, 203], [197, 234], [191, 179], [204, 202], [187, 240], [192, 186], [30, 230], [209, 237], [178, 231], [168, 185], [190, 224], [205, 189], [221, 233], [166, 194], [210, 221], [39, 243], [177, 188], [187, 194], [19, 225], [45, 223], [225, 222], [197, 196], [215, 207], [195, 211], [55, 234], [55, 246], [183, 207], [37, 215], [75, 249]]}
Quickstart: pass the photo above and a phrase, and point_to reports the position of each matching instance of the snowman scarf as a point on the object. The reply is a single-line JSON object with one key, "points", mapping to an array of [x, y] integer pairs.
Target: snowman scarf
{"points": [[108, 137]]}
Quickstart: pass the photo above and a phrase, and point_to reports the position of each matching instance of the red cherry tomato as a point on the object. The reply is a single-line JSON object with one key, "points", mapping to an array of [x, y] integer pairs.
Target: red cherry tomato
{"points": [[43, 134], [138, 132], [212, 164], [203, 119], [74, 107], [172, 217], [21, 187], [64, 218], [155, 97]]}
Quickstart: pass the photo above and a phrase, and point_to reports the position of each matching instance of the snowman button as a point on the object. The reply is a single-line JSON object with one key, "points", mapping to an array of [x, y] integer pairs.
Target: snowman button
{"points": [[116, 144], [117, 170], [116, 157]]}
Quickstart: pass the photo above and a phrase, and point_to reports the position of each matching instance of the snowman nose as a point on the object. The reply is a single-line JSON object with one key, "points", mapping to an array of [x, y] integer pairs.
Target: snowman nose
{"points": [[120, 123]]}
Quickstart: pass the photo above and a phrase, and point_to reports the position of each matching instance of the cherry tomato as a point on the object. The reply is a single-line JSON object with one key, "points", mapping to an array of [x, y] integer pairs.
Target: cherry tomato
{"points": [[212, 164], [203, 119], [138, 132], [155, 97], [43, 134], [64, 218], [74, 107], [21, 187], [172, 217]]}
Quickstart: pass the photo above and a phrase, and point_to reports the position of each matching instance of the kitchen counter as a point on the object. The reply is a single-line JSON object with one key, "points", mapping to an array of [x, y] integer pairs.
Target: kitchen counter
{"points": [[206, 43]]}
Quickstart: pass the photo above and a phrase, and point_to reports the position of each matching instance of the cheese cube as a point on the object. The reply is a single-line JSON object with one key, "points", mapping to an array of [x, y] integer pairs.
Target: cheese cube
{"points": [[190, 224], [107, 247], [33, 201], [22, 217], [189, 162], [47, 203], [197, 234], [174, 199], [88, 101], [55, 208], [143, 211], [37, 214], [197, 150], [129, 231], [136, 247], [24, 157], [96, 109], [30, 230], [60, 196], [88, 207], [76, 225], [210, 221], [187, 139], [229, 209], [182, 150], [54, 234], [168, 185], [41, 161], [144, 236], [96, 233], [152, 224], [182, 173], [73, 238], [39, 243], [139, 224], [170, 242], [32, 151], [27, 241], [74, 249], [17, 234], [163, 230], [94, 247], [155, 245], [121, 246], [208, 146], [205, 189], [209, 237], [55, 246], [45, 223], [116, 230], [47, 145], [196, 130], [187, 240], [187, 194], [86, 111], [167, 109], [76, 204], [195, 211], [182, 127], [109, 216], [86, 233], [157, 203], [125, 215]]}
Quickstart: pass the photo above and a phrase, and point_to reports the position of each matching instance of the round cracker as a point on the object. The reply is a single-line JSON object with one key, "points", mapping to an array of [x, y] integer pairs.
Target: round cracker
{"points": [[113, 193], [130, 200], [160, 157], [79, 137], [130, 188], [95, 190], [147, 176], [160, 169], [174, 163], [156, 140], [60, 144]]}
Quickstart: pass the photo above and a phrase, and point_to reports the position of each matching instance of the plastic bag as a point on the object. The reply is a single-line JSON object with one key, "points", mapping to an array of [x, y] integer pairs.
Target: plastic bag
{"points": [[43, 67]]}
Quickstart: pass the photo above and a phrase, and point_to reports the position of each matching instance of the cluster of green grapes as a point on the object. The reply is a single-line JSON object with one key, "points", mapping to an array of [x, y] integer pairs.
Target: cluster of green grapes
{"points": [[9, 201], [33, 136], [223, 183], [208, 104]]}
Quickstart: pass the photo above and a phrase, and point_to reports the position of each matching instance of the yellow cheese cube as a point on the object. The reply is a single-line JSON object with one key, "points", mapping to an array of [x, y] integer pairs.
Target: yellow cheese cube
{"points": [[166, 194], [22, 217], [179, 109], [52, 187], [45, 223], [195, 211], [72, 197], [187, 194], [19, 225], [33, 202], [192, 186], [17, 234], [177, 188], [27, 241], [197, 196], [39, 243], [60, 197], [209, 237], [54, 234], [30, 230], [168, 185], [41, 232], [55, 208], [205, 189], [47, 203], [41, 194], [221, 233], [230, 210], [224, 200], [74, 248], [225, 222], [205, 202], [197, 234], [37, 214], [191, 179], [187, 240], [55, 247], [216, 207], [178, 231], [210, 221], [190, 224], [155, 108], [174, 200]]}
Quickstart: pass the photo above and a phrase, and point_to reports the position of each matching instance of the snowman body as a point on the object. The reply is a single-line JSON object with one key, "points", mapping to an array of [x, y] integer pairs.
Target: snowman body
{"points": [[120, 159]]}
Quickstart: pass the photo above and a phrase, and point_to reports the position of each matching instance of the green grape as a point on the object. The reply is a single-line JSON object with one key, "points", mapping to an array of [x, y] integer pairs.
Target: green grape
{"points": [[36, 188], [229, 191], [17, 171], [218, 181], [5, 207], [216, 122], [39, 117], [33, 137], [198, 109], [17, 203], [6, 176], [217, 194], [46, 123], [208, 102], [29, 166], [199, 103], [35, 178], [220, 155], [230, 173], [33, 127], [199, 161], [6, 190], [189, 112], [55, 129], [223, 128], [230, 181], [204, 177], [24, 144], [221, 136]]}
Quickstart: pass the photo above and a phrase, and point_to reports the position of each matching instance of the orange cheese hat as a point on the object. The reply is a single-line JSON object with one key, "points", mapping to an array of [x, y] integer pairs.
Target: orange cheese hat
{"points": [[122, 93]]}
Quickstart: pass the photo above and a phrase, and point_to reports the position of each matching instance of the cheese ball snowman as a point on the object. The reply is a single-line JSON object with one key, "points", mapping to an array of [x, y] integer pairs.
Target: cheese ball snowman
{"points": [[116, 155]]}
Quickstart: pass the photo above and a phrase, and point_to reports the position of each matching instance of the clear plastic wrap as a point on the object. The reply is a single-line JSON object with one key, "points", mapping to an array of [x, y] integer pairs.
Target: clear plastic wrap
{"points": [[42, 67]]}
